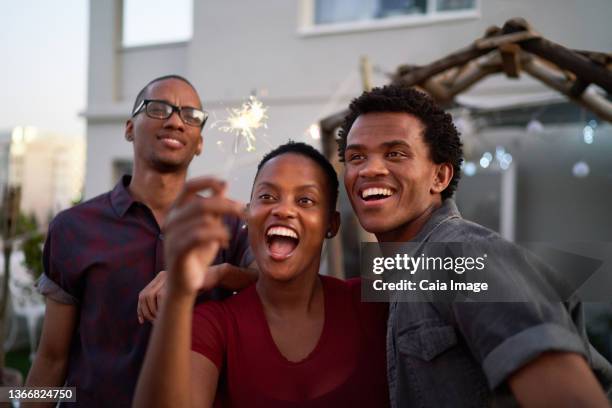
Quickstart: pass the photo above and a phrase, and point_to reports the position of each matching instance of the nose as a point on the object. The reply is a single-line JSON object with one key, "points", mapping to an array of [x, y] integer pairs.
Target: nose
{"points": [[174, 121], [284, 209], [373, 167]]}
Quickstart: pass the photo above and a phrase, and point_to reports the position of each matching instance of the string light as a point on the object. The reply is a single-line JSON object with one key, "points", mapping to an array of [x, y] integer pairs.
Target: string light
{"points": [[587, 134], [469, 168], [581, 169], [484, 162], [314, 131]]}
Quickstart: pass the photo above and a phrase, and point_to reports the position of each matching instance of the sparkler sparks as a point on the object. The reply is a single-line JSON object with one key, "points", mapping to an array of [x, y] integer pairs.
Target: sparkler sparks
{"points": [[243, 122]]}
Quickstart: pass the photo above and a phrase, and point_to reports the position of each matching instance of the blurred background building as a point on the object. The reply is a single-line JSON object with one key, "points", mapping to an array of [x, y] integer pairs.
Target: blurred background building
{"points": [[45, 170], [48, 168], [302, 57]]}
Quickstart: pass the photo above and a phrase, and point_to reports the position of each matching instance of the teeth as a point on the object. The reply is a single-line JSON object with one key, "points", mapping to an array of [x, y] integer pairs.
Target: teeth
{"points": [[173, 140], [376, 191], [282, 231]]}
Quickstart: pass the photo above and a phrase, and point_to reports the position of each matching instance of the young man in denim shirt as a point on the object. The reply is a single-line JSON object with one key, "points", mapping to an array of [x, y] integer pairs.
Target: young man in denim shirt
{"points": [[402, 158]]}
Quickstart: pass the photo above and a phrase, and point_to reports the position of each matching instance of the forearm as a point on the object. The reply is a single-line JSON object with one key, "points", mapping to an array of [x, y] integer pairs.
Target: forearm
{"points": [[236, 278], [164, 378], [557, 379], [46, 371]]}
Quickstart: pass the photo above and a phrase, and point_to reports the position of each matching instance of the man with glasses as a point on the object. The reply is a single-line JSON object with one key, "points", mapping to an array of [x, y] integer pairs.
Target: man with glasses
{"points": [[100, 254]]}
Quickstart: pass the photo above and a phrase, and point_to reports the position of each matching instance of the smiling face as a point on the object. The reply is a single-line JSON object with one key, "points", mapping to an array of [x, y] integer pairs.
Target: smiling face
{"points": [[289, 216], [390, 178], [166, 145]]}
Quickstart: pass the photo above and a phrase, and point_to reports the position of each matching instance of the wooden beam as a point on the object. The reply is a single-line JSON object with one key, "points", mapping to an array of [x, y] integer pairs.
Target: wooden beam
{"points": [[451, 75], [498, 40], [563, 57], [595, 103], [330, 123], [437, 91], [578, 88], [511, 62], [365, 67], [601, 58], [417, 75], [475, 73]]}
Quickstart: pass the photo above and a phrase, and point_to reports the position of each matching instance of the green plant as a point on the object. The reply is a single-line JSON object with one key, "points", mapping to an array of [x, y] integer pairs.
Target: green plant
{"points": [[31, 245]]}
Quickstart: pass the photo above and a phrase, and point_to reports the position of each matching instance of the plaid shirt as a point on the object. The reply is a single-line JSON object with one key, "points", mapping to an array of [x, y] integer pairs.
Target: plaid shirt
{"points": [[99, 255]]}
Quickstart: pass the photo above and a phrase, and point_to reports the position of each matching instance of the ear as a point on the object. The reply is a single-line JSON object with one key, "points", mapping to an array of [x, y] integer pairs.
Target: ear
{"points": [[200, 145], [443, 176], [129, 130], [334, 225]]}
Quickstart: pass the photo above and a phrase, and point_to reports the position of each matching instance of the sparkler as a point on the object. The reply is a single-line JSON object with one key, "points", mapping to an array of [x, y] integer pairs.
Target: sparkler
{"points": [[244, 121]]}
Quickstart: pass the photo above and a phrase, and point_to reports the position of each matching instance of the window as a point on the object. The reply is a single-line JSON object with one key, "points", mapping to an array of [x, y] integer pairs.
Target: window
{"points": [[358, 12], [148, 22], [452, 5]]}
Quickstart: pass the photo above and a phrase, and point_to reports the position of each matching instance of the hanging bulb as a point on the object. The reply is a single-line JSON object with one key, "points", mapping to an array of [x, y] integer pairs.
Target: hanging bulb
{"points": [[581, 169]]}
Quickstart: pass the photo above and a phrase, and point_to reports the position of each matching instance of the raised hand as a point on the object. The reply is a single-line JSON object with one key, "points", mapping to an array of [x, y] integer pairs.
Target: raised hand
{"points": [[194, 232], [224, 275]]}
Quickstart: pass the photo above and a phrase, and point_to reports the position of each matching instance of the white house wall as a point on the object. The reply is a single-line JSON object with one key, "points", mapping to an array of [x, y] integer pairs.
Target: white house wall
{"points": [[239, 47], [141, 64]]}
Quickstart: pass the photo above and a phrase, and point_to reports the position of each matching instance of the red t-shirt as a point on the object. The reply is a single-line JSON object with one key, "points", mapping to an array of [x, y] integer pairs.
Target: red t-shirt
{"points": [[346, 368]]}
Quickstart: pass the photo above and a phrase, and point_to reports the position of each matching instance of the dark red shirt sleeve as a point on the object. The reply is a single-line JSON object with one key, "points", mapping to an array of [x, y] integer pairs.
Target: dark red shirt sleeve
{"points": [[60, 280]]}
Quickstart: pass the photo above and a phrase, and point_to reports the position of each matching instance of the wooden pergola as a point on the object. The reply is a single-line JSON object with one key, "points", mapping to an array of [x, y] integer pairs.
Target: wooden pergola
{"points": [[509, 50]]}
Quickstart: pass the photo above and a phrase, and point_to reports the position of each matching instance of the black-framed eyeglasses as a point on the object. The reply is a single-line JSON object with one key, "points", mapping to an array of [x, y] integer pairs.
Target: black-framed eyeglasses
{"points": [[157, 109]]}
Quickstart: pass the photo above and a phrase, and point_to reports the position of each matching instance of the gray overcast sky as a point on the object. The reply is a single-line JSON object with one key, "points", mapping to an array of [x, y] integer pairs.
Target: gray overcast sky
{"points": [[43, 49], [43, 45]]}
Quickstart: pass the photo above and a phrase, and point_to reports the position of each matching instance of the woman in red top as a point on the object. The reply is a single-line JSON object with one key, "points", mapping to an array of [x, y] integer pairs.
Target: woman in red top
{"points": [[295, 338]]}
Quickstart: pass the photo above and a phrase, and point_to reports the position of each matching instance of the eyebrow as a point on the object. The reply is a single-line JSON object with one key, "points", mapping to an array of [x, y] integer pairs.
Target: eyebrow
{"points": [[274, 186], [265, 184], [395, 143], [388, 144]]}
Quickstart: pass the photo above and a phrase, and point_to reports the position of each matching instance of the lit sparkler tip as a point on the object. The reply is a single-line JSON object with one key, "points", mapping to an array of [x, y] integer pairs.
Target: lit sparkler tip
{"points": [[245, 120]]}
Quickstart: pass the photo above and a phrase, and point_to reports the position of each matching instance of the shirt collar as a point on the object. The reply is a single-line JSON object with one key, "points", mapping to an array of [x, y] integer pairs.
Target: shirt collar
{"points": [[120, 197], [448, 210]]}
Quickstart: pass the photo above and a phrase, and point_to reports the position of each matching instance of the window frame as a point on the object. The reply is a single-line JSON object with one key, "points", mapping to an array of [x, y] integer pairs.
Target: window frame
{"points": [[121, 21], [307, 26]]}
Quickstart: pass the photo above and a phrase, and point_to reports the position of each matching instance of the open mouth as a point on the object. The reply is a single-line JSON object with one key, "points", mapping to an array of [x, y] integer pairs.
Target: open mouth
{"points": [[376, 194], [281, 242]]}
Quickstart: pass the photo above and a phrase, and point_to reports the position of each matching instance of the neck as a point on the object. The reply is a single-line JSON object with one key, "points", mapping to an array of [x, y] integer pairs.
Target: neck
{"points": [[409, 230], [156, 190], [300, 295]]}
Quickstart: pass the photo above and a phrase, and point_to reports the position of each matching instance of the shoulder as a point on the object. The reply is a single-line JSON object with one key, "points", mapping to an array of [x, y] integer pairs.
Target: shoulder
{"points": [[474, 239], [81, 212], [233, 305], [460, 229], [335, 285], [342, 289], [214, 323], [348, 292]]}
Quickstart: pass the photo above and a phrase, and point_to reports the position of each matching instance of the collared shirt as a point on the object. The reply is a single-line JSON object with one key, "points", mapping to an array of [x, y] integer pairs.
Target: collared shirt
{"points": [[99, 255], [460, 354]]}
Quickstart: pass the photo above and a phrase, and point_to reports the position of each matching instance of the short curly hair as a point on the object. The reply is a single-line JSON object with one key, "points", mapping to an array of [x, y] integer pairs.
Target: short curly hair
{"points": [[440, 133]]}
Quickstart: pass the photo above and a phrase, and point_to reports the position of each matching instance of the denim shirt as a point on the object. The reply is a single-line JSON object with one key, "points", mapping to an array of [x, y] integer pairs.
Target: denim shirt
{"points": [[461, 354]]}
